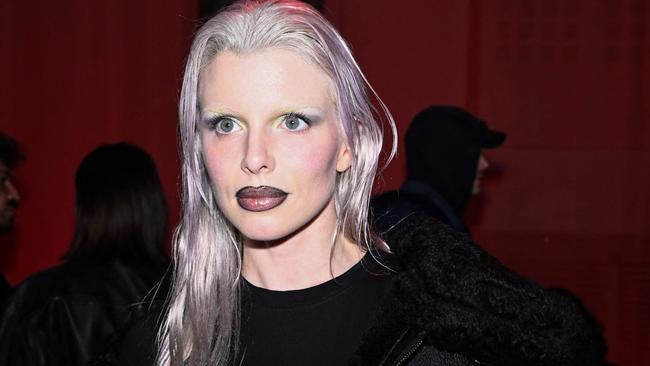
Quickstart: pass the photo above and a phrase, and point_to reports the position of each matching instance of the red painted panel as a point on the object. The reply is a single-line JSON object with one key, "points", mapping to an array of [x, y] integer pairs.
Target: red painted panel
{"points": [[76, 76]]}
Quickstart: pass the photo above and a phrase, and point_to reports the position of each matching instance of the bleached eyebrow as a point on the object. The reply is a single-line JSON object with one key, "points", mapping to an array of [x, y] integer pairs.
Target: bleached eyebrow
{"points": [[211, 114], [218, 112], [313, 112]]}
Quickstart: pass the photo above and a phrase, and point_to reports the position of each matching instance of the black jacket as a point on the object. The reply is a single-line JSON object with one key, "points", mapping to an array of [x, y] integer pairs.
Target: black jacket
{"points": [[414, 197], [453, 304], [66, 315]]}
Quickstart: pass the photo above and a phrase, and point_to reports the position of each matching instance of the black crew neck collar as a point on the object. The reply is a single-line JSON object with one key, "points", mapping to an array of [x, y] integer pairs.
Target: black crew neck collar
{"points": [[359, 272]]}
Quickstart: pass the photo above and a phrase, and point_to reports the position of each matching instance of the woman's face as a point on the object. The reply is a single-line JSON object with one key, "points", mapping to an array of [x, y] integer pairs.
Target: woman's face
{"points": [[271, 142]]}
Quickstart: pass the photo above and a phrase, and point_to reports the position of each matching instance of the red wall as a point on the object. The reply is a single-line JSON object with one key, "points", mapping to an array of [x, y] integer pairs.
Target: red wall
{"points": [[567, 79], [76, 74]]}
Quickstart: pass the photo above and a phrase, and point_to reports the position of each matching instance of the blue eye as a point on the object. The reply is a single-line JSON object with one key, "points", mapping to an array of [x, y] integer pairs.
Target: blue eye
{"points": [[296, 121], [224, 125]]}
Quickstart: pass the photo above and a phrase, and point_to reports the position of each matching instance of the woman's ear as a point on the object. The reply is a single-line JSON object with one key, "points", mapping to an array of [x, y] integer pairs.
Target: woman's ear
{"points": [[344, 158]]}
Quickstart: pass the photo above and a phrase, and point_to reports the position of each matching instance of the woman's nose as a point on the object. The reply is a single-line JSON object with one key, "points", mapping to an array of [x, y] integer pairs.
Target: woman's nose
{"points": [[258, 157]]}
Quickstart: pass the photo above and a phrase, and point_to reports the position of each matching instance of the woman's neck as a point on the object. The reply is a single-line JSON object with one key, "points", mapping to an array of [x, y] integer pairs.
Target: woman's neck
{"points": [[299, 262]]}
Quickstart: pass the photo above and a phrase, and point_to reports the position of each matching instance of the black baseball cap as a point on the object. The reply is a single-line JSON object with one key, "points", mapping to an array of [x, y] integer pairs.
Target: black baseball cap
{"points": [[453, 125]]}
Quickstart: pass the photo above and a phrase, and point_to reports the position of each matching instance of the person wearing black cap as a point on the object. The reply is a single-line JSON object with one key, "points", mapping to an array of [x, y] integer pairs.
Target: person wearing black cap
{"points": [[445, 165]]}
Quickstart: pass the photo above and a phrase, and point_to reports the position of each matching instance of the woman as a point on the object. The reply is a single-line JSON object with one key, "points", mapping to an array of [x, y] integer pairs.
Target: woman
{"points": [[275, 262], [66, 315]]}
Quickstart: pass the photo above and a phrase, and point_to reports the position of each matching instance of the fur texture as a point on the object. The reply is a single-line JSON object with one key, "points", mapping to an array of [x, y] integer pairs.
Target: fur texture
{"points": [[465, 302]]}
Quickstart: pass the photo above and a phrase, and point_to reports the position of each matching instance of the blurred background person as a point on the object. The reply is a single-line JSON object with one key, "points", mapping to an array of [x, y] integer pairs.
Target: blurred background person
{"points": [[445, 165], [10, 155], [67, 314]]}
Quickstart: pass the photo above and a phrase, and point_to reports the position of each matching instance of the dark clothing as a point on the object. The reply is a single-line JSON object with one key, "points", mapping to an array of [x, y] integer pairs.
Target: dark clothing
{"points": [[443, 145], [452, 304], [321, 325], [5, 291], [390, 208], [66, 315], [448, 303]]}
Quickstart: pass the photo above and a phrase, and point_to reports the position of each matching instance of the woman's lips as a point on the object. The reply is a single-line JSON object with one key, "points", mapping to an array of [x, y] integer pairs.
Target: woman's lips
{"points": [[261, 198]]}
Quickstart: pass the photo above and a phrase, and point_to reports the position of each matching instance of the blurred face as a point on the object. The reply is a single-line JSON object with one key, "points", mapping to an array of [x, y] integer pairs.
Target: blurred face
{"points": [[9, 198], [482, 165], [271, 142]]}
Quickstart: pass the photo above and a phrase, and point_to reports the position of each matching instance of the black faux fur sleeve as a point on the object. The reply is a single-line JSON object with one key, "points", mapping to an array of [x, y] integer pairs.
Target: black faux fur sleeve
{"points": [[469, 303]]}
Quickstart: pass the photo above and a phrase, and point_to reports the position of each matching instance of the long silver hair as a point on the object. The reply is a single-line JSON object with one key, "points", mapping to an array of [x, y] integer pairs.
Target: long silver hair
{"points": [[202, 323]]}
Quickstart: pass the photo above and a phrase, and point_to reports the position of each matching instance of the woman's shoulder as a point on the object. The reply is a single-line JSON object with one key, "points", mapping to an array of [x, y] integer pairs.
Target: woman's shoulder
{"points": [[133, 346], [36, 292], [73, 285], [50, 306], [466, 301], [136, 344]]}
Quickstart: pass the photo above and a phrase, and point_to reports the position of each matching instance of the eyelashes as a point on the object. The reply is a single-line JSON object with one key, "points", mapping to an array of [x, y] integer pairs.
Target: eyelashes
{"points": [[223, 125], [296, 121], [227, 124]]}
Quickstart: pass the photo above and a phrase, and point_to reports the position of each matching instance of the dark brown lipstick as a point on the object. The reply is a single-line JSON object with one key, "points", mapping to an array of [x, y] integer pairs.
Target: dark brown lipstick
{"points": [[260, 198]]}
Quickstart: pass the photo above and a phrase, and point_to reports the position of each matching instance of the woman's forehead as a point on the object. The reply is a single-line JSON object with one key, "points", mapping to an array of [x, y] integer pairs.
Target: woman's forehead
{"points": [[274, 74]]}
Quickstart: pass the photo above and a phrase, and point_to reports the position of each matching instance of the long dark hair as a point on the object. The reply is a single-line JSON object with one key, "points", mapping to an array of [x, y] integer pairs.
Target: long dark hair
{"points": [[120, 206]]}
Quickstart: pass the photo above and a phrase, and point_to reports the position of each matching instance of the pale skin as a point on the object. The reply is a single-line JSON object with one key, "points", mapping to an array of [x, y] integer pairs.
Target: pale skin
{"points": [[269, 119], [481, 167]]}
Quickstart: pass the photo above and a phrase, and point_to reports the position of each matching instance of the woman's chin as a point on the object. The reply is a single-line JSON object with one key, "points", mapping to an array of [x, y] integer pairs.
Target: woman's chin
{"points": [[266, 235]]}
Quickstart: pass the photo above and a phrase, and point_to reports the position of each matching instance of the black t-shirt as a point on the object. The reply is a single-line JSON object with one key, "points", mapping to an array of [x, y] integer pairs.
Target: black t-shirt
{"points": [[321, 325]]}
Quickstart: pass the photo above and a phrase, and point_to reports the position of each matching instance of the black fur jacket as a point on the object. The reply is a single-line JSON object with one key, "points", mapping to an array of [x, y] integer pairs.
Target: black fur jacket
{"points": [[453, 304]]}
